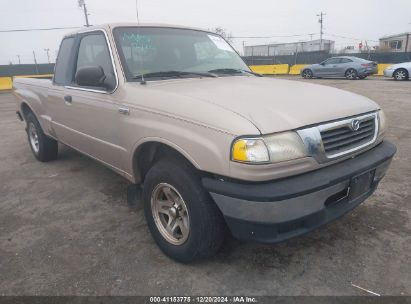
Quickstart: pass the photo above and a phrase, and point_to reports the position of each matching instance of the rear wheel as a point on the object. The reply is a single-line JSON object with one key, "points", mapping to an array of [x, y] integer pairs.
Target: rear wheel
{"points": [[351, 74], [400, 74], [43, 147], [182, 217], [307, 74]]}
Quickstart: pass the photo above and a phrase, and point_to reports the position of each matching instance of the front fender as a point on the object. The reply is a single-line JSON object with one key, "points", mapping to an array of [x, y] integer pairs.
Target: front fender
{"points": [[205, 148]]}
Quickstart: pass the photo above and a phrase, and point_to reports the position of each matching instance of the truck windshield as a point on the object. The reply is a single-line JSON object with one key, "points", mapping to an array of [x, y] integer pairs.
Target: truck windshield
{"points": [[161, 53]]}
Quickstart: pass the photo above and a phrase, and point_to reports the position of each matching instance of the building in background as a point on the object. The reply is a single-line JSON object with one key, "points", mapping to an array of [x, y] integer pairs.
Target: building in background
{"points": [[396, 43], [278, 49]]}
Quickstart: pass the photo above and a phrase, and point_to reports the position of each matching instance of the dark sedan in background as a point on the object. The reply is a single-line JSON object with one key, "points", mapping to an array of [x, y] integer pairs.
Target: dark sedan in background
{"points": [[344, 66]]}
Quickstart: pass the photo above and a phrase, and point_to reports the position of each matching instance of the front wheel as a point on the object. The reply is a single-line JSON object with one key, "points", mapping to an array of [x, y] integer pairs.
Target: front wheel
{"points": [[43, 147], [351, 74], [182, 217], [400, 74], [307, 74]]}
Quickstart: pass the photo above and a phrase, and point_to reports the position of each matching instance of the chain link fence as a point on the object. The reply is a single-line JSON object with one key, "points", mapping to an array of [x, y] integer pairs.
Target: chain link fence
{"points": [[26, 69], [297, 58], [317, 57]]}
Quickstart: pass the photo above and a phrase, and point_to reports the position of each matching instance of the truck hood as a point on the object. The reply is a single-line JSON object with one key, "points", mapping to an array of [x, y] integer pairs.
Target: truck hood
{"points": [[271, 105]]}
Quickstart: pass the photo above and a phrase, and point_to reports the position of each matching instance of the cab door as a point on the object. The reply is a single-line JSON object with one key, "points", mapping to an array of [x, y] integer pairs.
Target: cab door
{"points": [[87, 118]]}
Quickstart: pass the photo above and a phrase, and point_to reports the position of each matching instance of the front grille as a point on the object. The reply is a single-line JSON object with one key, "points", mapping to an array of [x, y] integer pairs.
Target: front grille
{"points": [[342, 138]]}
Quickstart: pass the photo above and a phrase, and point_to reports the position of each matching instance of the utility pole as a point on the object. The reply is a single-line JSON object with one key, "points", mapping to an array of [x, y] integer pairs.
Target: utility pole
{"points": [[321, 20], [18, 56], [35, 62], [82, 4], [138, 20], [48, 55]]}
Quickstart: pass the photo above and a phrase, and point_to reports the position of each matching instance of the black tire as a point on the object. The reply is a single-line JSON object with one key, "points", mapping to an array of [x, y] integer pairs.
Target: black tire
{"points": [[400, 74], [206, 224], [46, 148], [351, 74], [307, 74]]}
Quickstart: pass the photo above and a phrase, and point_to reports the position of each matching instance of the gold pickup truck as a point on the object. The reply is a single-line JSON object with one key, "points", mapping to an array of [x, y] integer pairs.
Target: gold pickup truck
{"points": [[215, 147]]}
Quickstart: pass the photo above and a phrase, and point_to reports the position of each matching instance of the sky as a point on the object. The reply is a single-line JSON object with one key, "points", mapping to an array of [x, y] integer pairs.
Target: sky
{"points": [[356, 20]]}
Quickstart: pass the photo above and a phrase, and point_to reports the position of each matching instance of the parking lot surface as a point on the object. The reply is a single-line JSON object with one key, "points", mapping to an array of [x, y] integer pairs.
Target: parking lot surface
{"points": [[66, 229]]}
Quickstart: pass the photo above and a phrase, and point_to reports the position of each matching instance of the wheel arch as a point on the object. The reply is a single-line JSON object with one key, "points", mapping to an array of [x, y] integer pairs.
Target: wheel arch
{"points": [[350, 68], [307, 69], [401, 68], [26, 109], [151, 150]]}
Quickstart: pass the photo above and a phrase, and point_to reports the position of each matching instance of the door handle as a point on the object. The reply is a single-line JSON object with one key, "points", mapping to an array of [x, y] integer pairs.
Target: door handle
{"points": [[68, 99], [124, 110]]}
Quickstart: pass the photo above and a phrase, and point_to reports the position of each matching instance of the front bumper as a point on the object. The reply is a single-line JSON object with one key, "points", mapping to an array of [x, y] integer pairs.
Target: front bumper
{"points": [[275, 211], [388, 73]]}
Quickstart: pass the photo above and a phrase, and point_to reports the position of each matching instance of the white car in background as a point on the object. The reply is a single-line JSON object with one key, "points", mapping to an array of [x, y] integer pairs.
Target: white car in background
{"points": [[400, 71]]}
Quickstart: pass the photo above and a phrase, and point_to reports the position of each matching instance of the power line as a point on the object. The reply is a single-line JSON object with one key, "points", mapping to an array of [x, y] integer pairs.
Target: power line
{"points": [[40, 29], [301, 35], [350, 38], [272, 36]]}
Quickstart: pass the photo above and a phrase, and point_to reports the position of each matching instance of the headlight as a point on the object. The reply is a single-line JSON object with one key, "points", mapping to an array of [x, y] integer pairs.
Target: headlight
{"points": [[272, 148], [250, 150], [285, 146], [382, 123]]}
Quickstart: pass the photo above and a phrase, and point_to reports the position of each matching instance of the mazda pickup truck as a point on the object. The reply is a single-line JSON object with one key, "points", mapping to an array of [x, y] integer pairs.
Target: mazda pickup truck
{"points": [[215, 148]]}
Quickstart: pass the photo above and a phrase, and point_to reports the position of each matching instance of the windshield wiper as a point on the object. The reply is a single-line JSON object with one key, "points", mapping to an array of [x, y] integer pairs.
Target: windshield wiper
{"points": [[172, 74], [234, 71]]}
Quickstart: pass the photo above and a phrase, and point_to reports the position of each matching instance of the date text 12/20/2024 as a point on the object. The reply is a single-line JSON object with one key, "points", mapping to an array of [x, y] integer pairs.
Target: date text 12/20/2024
{"points": [[202, 299]]}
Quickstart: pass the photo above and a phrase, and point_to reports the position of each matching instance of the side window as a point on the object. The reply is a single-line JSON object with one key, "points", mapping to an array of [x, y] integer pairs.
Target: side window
{"points": [[345, 60], [93, 51], [62, 73], [333, 61]]}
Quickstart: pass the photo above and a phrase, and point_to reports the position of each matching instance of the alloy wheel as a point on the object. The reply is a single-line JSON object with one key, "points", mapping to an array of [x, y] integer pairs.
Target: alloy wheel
{"points": [[34, 138], [400, 75], [351, 74], [170, 214], [307, 74]]}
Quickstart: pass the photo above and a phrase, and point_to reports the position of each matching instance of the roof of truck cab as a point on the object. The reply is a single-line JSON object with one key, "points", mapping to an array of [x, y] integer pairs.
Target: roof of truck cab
{"points": [[110, 26]]}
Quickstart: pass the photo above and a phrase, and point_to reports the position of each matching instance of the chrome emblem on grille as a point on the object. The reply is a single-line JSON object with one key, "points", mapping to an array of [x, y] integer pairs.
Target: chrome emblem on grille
{"points": [[355, 124]]}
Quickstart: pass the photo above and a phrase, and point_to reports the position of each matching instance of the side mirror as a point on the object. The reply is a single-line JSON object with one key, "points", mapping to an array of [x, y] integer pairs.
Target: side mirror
{"points": [[91, 76], [322, 63]]}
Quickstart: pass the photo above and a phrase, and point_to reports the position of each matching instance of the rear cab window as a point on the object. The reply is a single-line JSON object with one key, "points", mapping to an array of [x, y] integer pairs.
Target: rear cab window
{"points": [[63, 73]]}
